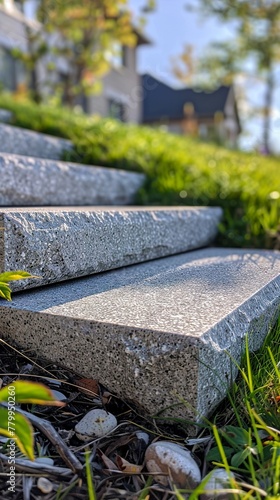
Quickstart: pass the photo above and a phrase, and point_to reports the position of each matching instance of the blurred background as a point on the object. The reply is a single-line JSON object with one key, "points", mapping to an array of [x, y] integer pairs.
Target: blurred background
{"points": [[202, 44], [186, 91]]}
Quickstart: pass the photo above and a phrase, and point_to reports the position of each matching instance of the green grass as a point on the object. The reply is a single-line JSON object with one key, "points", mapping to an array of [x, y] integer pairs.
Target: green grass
{"points": [[248, 440], [180, 171]]}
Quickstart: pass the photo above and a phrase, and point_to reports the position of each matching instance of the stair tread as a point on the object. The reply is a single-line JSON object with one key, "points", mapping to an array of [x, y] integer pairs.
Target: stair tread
{"points": [[156, 330]]}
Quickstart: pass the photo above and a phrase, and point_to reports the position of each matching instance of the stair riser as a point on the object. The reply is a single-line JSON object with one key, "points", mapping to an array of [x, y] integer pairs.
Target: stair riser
{"points": [[5, 116], [29, 181], [20, 141], [60, 245]]}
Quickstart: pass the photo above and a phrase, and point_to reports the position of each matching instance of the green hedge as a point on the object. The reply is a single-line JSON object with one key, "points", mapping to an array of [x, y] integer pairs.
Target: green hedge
{"points": [[180, 171]]}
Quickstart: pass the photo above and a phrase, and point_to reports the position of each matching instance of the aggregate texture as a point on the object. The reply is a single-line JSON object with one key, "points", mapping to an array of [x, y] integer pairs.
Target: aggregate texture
{"points": [[59, 243], [156, 331], [20, 141], [27, 181], [5, 115]]}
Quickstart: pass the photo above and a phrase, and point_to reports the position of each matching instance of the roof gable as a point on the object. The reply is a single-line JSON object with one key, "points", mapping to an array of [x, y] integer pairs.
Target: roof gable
{"points": [[162, 101]]}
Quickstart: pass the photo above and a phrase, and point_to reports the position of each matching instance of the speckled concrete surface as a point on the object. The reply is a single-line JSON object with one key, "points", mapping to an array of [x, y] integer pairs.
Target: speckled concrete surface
{"points": [[155, 331], [27, 181], [59, 244], [5, 115], [20, 141]]}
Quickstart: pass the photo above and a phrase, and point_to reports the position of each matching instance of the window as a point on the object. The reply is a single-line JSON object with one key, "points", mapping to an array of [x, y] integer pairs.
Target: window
{"points": [[203, 130], [7, 70], [12, 71], [117, 56], [125, 56], [116, 110]]}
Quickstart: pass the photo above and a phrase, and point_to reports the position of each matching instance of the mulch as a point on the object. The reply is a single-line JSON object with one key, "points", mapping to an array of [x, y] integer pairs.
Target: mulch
{"points": [[67, 475]]}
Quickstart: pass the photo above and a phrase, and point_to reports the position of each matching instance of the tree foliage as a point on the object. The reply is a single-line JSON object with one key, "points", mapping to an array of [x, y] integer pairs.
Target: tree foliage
{"points": [[184, 67], [257, 40], [91, 33], [84, 35]]}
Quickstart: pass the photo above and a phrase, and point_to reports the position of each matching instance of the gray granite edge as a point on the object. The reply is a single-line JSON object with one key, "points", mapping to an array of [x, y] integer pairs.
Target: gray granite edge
{"points": [[105, 372], [254, 318], [25, 132], [60, 164], [204, 220], [2, 243]]}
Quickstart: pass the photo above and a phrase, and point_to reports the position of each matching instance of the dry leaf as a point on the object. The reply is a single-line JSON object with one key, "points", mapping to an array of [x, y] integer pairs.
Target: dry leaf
{"points": [[117, 443], [106, 397], [88, 386], [108, 463], [127, 467]]}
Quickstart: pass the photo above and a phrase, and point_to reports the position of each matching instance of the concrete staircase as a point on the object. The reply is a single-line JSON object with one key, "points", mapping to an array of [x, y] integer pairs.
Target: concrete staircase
{"points": [[153, 311]]}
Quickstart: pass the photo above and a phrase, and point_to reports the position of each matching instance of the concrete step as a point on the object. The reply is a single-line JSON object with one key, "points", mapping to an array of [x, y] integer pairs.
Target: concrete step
{"points": [[62, 243], [27, 181], [20, 141], [157, 331], [5, 115]]}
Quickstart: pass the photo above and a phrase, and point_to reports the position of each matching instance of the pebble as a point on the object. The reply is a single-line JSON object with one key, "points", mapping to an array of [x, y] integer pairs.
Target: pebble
{"points": [[219, 480], [143, 436], [174, 460], [54, 381], [96, 423], [58, 395], [44, 485]]}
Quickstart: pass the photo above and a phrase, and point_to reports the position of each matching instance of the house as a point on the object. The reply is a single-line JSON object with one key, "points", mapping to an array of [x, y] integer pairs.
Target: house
{"points": [[12, 36], [125, 94], [121, 95], [209, 115]]}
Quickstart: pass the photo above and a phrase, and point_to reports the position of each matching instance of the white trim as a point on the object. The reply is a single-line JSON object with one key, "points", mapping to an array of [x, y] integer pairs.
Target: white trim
{"points": [[116, 96], [19, 16]]}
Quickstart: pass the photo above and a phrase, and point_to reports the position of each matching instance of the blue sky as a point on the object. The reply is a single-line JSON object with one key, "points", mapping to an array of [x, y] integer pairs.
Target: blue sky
{"points": [[170, 28]]}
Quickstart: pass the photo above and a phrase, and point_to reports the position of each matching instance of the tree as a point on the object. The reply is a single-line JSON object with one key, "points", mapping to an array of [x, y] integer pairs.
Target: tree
{"points": [[257, 40], [184, 67], [37, 48], [150, 6], [90, 32], [86, 34]]}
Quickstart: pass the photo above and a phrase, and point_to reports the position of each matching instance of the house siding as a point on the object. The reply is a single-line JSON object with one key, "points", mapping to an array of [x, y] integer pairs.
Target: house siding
{"points": [[122, 85], [12, 31]]}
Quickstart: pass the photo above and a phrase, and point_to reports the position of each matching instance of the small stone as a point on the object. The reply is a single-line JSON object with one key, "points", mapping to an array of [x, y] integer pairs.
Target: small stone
{"points": [[44, 485], [58, 395], [54, 381], [172, 460], [219, 480], [143, 436], [96, 423]]}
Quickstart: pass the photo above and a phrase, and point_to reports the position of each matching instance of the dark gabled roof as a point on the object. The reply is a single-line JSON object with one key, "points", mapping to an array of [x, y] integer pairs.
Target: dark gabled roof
{"points": [[142, 38], [160, 101]]}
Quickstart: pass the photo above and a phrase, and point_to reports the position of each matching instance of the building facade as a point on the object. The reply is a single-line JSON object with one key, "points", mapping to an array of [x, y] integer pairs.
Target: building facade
{"points": [[125, 95], [121, 95], [208, 115]]}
